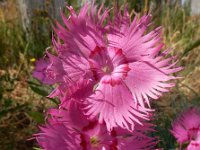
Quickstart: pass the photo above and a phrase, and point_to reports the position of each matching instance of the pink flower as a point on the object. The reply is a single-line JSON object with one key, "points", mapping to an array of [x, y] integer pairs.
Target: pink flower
{"points": [[123, 63], [193, 145], [56, 135], [70, 129], [136, 140], [82, 91], [186, 128], [39, 71]]}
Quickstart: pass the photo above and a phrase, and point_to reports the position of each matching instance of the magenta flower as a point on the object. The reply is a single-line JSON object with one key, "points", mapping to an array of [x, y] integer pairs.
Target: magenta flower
{"points": [[70, 129], [194, 145], [136, 140], [186, 128], [56, 135], [124, 65], [39, 72]]}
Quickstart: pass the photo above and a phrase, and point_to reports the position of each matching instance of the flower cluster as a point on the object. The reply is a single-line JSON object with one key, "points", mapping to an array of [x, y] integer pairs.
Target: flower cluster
{"points": [[70, 129], [186, 129], [107, 71]]}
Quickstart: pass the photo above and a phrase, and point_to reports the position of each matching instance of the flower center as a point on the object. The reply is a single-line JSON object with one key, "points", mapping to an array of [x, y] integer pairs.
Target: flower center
{"points": [[108, 64], [106, 69], [94, 141]]}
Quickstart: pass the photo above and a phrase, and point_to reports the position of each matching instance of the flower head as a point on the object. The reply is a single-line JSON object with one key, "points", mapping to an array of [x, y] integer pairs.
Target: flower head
{"points": [[56, 135], [125, 66], [40, 71], [70, 129], [186, 128]]}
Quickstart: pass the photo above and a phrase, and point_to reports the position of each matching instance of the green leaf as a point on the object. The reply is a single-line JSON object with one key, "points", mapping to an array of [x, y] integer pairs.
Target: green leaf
{"points": [[39, 90], [191, 46], [35, 148], [37, 116]]}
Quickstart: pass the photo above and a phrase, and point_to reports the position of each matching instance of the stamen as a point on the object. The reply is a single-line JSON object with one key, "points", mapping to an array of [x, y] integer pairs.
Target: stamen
{"points": [[94, 141], [106, 69]]}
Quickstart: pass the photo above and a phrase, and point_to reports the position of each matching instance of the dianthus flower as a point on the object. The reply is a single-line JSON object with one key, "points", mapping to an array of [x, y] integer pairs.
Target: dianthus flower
{"points": [[39, 72], [186, 129], [123, 64], [70, 130]]}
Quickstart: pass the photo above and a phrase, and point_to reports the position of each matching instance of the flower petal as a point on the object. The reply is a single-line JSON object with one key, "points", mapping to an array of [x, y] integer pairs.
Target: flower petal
{"points": [[115, 106], [145, 80]]}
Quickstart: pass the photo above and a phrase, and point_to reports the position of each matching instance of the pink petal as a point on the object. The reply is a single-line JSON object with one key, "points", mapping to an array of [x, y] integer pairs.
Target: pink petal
{"points": [[144, 81], [115, 106]]}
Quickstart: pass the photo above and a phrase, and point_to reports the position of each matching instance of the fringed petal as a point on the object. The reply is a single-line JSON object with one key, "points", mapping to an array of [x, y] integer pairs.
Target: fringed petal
{"points": [[115, 106]]}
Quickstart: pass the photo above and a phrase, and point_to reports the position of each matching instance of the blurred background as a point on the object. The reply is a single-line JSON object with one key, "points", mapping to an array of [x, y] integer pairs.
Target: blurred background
{"points": [[25, 33]]}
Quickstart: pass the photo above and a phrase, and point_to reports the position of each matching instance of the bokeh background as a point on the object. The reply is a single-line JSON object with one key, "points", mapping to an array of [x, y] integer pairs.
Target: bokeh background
{"points": [[25, 33]]}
